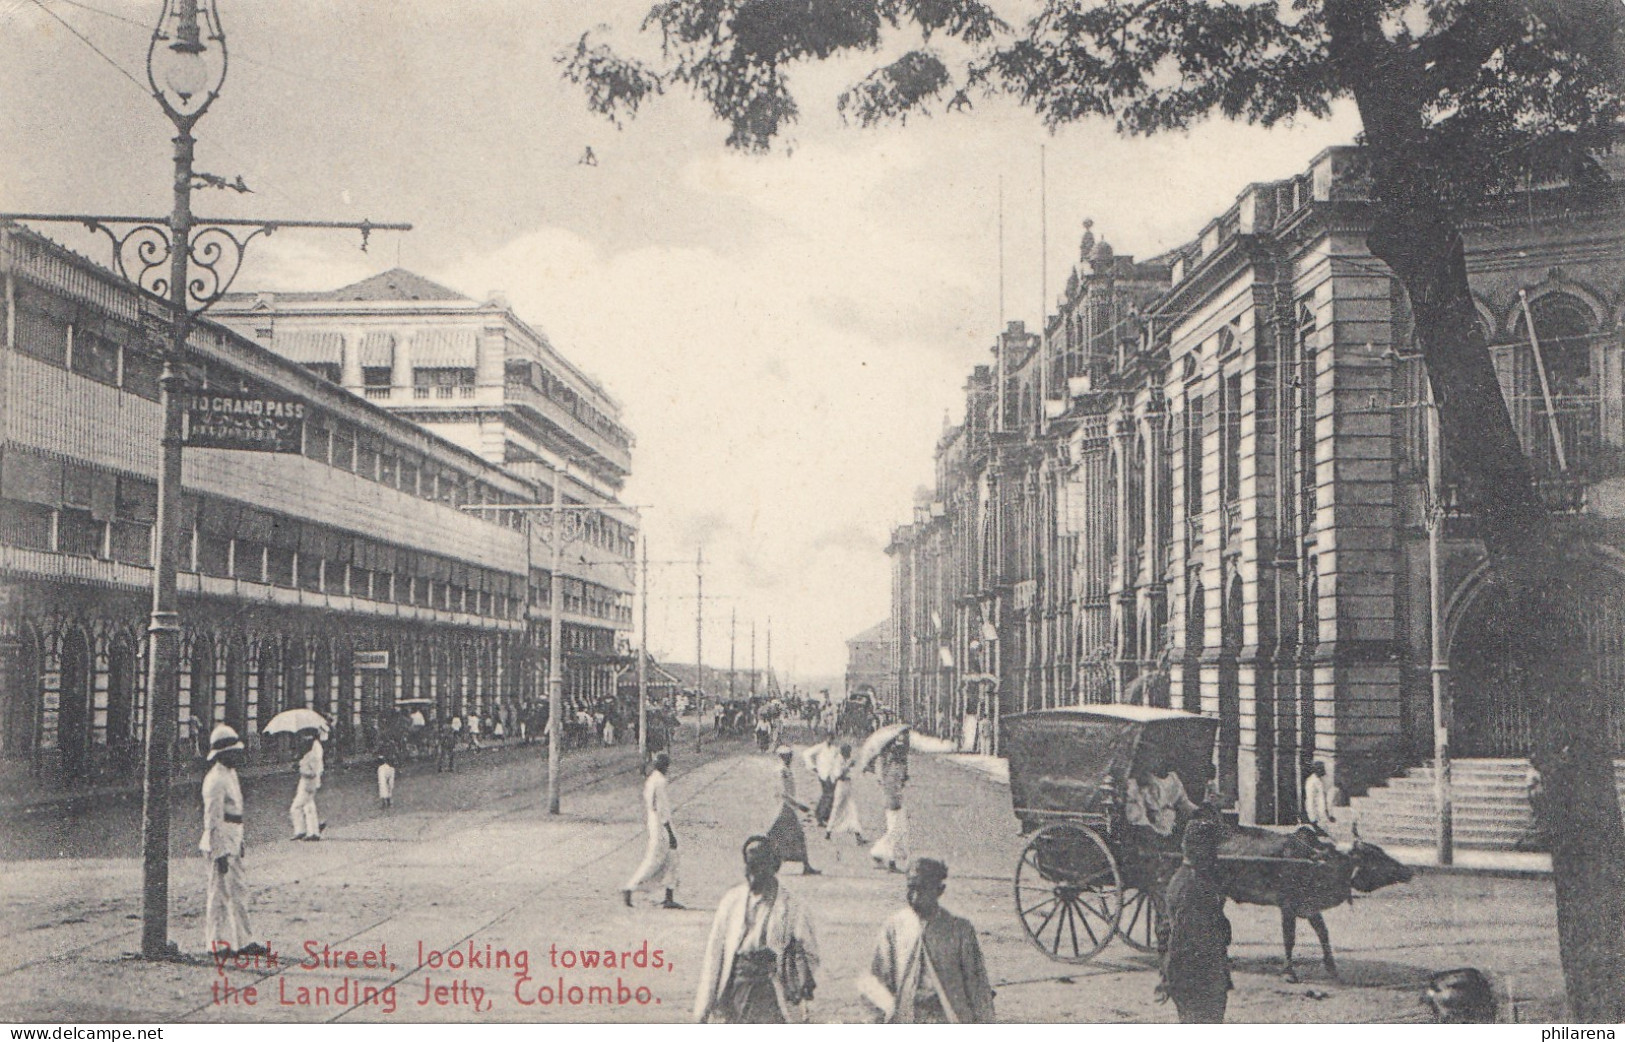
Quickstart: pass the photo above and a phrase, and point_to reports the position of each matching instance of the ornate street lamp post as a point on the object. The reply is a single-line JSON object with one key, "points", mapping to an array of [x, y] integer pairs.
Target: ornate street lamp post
{"points": [[190, 262], [185, 68]]}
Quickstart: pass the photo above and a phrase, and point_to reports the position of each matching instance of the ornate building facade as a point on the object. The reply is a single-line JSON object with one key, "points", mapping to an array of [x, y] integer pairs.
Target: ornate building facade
{"points": [[1225, 506]]}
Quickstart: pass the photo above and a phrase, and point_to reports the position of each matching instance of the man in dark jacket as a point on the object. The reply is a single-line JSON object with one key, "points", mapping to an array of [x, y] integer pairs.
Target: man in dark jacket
{"points": [[1196, 962]]}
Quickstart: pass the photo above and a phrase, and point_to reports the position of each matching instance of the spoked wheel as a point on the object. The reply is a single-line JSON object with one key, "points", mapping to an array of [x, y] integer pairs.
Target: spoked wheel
{"points": [[1069, 892], [1142, 918]]}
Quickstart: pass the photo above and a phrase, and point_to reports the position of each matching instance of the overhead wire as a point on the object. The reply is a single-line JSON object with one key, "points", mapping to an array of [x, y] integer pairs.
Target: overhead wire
{"points": [[114, 15], [142, 87], [146, 89]]}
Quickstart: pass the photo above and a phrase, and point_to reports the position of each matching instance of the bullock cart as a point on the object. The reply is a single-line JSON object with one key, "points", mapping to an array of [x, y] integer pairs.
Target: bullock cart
{"points": [[1084, 876]]}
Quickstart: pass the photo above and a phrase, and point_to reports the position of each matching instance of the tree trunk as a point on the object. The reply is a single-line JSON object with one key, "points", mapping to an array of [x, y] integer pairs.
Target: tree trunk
{"points": [[1550, 569]]}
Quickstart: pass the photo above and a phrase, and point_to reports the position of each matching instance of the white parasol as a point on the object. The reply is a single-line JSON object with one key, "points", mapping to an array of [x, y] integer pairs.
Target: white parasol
{"points": [[876, 743], [292, 721]]}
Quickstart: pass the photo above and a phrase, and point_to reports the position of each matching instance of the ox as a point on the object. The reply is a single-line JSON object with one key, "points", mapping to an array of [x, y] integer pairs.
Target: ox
{"points": [[1303, 876]]}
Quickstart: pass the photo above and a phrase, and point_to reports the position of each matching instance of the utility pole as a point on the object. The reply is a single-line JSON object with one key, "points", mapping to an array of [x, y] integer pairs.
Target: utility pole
{"points": [[733, 644], [556, 508], [753, 658], [1444, 823], [770, 654], [555, 637], [699, 646], [643, 650]]}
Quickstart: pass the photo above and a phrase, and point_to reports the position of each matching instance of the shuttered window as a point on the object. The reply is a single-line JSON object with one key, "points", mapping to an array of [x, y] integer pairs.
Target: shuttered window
{"points": [[130, 542], [317, 442], [27, 525], [96, 357], [142, 375], [42, 325], [343, 449], [249, 560], [279, 567]]}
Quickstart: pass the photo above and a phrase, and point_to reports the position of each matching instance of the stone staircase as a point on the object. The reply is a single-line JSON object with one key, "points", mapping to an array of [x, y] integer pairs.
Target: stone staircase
{"points": [[1490, 809]]}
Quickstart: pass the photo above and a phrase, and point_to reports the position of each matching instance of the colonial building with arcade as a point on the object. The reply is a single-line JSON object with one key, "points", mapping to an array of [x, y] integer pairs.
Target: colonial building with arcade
{"points": [[361, 571]]}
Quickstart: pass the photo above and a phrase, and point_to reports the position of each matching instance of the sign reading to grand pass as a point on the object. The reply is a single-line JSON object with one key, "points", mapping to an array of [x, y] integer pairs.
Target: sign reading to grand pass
{"points": [[257, 423]]}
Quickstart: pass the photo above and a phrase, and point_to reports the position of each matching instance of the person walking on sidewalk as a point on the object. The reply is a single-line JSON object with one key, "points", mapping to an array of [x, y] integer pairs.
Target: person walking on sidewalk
{"points": [[307, 823], [226, 906], [446, 751], [386, 780], [660, 855]]}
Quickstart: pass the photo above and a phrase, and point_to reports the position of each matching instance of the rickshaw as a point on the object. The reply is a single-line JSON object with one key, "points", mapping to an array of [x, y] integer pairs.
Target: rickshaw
{"points": [[857, 718], [1083, 877]]}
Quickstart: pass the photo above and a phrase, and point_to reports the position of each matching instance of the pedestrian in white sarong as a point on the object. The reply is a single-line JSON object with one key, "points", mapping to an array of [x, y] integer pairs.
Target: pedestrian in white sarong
{"points": [[660, 856], [307, 822], [893, 846], [843, 814]]}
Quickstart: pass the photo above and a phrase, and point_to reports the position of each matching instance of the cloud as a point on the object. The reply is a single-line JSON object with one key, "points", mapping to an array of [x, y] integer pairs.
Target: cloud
{"points": [[769, 431]]}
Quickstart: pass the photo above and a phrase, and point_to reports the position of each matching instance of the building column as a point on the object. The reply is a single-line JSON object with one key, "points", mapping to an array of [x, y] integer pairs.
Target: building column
{"points": [[400, 374], [491, 358], [1124, 567], [350, 359]]}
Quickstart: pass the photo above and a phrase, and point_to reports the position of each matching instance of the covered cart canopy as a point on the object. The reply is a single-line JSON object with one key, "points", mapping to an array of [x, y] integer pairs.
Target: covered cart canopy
{"points": [[1072, 761]]}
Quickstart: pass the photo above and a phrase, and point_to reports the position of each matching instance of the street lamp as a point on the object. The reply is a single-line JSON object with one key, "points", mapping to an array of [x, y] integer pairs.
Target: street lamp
{"points": [[191, 64], [186, 65]]}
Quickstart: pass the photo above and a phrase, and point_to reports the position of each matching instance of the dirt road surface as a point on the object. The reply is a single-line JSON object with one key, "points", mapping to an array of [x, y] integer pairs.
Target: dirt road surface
{"points": [[472, 904]]}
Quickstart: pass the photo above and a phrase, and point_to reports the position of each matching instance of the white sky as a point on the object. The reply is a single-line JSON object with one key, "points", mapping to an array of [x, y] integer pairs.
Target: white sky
{"points": [[785, 333]]}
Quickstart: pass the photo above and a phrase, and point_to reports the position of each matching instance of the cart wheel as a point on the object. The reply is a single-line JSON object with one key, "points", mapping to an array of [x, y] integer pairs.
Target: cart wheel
{"points": [[1069, 892], [1142, 919]]}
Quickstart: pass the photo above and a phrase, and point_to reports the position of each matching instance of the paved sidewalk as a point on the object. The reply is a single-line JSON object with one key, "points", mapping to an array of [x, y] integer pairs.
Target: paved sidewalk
{"points": [[1508, 863], [22, 794]]}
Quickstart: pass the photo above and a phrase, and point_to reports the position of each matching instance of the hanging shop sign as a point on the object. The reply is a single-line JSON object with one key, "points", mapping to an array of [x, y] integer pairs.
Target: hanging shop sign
{"points": [[250, 422]]}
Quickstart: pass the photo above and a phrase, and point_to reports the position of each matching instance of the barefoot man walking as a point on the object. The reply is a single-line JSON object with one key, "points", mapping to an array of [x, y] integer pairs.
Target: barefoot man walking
{"points": [[660, 856]]}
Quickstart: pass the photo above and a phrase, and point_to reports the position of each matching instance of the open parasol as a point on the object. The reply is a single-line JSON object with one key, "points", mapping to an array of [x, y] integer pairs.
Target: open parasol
{"points": [[876, 743], [292, 721]]}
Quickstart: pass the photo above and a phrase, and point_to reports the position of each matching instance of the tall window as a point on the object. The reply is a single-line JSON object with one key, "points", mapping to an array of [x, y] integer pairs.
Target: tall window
{"points": [[1584, 410], [1193, 455], [1304, 345], [1232, 438]]}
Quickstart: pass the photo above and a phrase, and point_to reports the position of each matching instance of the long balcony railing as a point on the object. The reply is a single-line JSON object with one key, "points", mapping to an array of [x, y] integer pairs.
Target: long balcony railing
{"points": [[432, 392], [523, 393]]}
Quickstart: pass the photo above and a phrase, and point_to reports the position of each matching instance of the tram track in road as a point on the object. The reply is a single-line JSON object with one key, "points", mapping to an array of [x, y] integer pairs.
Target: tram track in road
{"points": [[570, 872], [564, 874], [127, 932]]}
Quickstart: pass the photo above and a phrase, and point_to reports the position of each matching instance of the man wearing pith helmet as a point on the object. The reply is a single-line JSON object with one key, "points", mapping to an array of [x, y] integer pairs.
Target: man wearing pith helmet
{"points": [[226, 910]]}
